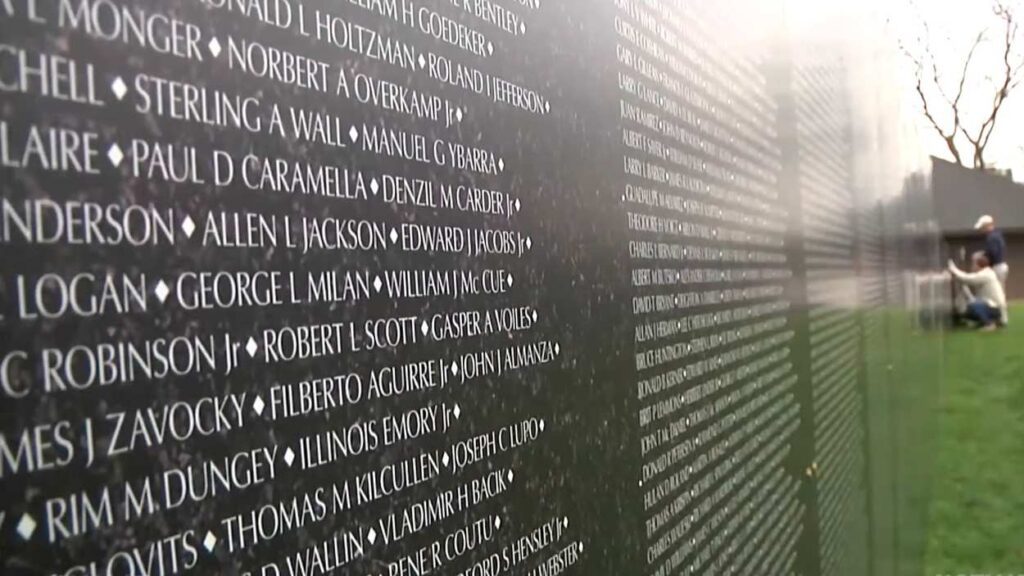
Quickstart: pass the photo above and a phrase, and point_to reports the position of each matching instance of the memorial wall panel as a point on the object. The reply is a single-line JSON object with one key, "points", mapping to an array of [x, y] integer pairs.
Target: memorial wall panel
{"points": [[467, 287]]}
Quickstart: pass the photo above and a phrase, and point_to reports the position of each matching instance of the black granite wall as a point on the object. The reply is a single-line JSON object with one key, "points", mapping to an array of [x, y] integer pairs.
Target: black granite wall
{"points": [[479, 287]]}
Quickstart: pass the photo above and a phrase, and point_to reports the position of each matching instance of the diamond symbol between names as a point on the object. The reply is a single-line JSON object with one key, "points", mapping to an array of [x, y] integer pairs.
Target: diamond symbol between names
{"points": [[510, 280], [353, 134], [519, 205], [541, 425], [251, 347], [497, 522], [394, 236], [547, 106], [458, 114], [26, 526], [510, 476], [374, 186], [490, 48], [424, 328], [455, 368], [457, 411], [119, 88], [115, 155], [501, 164], [422, 61], [289, 456], [565, 521], [581, 547], [445, 459], [162, 291], [529, 243], [372, 536], [209, 542], [188, 226], [377, 283], [258, 406], [214, 47], [522, 27], [534, 315]]}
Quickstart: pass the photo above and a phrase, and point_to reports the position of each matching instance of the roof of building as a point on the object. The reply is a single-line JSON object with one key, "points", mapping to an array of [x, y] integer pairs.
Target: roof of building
{"points": [[961, 195]]}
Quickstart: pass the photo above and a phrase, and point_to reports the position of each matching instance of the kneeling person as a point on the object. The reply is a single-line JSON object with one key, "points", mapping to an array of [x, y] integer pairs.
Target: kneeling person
{"points": [[989, 300]]}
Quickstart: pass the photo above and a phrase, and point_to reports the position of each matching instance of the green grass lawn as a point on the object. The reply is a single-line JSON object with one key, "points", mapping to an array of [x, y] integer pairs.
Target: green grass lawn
{"points": [[976, 522]]}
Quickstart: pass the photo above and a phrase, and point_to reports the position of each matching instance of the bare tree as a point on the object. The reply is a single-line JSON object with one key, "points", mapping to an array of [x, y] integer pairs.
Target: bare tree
{"points": [[944, 111]]}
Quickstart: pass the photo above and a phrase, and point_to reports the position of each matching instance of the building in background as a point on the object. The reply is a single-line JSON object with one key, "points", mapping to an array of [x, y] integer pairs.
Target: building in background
{"points": [[961, 195]]}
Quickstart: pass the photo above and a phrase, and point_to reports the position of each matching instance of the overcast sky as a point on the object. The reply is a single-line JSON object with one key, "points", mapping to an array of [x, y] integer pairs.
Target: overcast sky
{"points": [[954, 24]]}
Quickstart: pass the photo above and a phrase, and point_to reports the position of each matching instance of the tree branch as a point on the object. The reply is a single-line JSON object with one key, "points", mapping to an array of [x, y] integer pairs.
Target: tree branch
{"points": [[1009, 81], [948, 137]]}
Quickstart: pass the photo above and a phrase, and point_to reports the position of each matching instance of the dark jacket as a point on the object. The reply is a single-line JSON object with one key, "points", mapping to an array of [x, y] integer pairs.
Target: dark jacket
{"points": [[995, 247]]}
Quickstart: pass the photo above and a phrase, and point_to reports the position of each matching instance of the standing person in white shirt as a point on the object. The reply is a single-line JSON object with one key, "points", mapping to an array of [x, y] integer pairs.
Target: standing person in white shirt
{"points": [[995, 251], [989, 303], [995, 247]]}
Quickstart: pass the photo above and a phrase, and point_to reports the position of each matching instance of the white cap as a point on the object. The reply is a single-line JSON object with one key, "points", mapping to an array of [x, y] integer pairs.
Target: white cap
{"points": [[985, 220]]}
